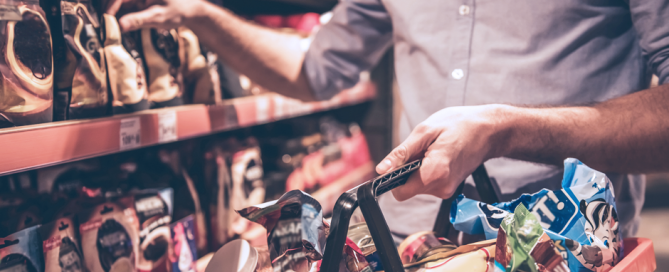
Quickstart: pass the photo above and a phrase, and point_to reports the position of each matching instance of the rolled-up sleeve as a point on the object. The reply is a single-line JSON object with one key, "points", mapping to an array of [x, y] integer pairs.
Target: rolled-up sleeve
{"points": [[651, 21], [353, 41]]}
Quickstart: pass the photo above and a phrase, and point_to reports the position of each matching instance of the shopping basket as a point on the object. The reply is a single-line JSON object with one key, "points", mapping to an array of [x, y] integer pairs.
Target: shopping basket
{"points": [[639, 256]]}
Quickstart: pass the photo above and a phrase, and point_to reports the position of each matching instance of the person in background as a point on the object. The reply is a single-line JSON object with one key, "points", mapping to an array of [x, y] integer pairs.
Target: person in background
{"points": [[520, 85]]}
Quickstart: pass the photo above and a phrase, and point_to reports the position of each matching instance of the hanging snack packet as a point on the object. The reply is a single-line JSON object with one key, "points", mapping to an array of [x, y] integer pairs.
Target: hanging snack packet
{"points": [[522, 245], [125, 66], [185, 249], [109, 236], [154, 211], [162, 54], [80, 84], [581, 218], [199, 82], [61, 246], [26, 67], [21, 251], [296, 232]]}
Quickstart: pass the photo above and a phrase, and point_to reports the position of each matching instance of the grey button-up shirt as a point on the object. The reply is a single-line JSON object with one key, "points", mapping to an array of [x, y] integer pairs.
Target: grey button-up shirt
{"points": [[472, 52]]}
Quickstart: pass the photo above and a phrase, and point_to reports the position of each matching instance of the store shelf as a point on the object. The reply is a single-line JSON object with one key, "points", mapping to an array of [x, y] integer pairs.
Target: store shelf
{"points": [[30, 147]]}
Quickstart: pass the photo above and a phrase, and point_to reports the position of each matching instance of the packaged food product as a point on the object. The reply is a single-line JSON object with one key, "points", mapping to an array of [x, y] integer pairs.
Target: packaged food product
{"points": [[61, 246], [80, 84], [27, 65], [125, 66], [154, 211], [360, 236], [109, 236], [163, 53], [581, 218], [296, 232], [421, 245], [185, 250], [22, 251], [235, 256], [522, 245], [200, 83]]}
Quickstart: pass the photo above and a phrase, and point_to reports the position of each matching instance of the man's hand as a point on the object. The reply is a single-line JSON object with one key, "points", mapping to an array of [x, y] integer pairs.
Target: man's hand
{"points": [[161, 14], [452, 143]]}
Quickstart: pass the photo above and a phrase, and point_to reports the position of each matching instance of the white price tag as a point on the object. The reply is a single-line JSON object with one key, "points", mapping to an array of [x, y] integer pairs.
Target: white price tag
{"points": [[167, 126], [130, 133]]}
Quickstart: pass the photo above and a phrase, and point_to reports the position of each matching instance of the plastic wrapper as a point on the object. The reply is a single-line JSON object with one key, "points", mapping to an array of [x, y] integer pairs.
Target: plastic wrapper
{"points": [[163, 54], [296, 232], [60, 245], [421, 245], [109, 236], [80, 78], [185, 250], [22, 251], [475, 257], [360, 235], [201, 82], [581, 218], [154, 211], [125, 66], [26, 67], [522, 245]]}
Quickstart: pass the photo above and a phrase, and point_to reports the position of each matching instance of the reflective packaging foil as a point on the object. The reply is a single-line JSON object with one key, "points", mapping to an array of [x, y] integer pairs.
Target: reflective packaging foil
{"points": [[26, 89]]}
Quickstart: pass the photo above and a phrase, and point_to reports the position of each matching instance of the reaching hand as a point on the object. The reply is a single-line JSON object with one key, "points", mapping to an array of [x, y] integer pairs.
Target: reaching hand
{"points": [[161, 14], [452, 143]]}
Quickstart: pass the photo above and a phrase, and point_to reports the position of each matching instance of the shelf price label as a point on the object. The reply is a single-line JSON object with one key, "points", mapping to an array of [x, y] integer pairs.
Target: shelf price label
{"points": [[167, 126], [130, 133]]}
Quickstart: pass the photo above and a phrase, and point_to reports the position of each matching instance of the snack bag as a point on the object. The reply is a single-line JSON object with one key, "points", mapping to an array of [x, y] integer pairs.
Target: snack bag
{"points": [[21, 251], [26, 67], [163, 54], [61, 246], [109, 236], [522, 245], [80, 78], [200, 81], [125, 66], [443, 256], [185, 250], [296, 232], [154, 211], [581, 218]]}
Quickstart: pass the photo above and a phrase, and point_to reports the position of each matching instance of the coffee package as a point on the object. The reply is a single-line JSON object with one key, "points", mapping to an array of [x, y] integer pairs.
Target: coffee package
{"points": [[22, 251], [109, 236], [60, 245], [185, 250], [201, 80], [80, 78], [27, 65], [163, 54], [154, 211], [125, 67]]}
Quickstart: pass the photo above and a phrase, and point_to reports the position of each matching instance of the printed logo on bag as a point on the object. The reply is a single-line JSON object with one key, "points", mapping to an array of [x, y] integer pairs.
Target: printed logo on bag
{"points": [[555, 211], [493, 215]]}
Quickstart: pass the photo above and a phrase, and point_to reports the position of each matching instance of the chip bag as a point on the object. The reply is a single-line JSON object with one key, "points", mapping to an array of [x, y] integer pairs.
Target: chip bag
{"points": [[581, 218], [295, 228]]}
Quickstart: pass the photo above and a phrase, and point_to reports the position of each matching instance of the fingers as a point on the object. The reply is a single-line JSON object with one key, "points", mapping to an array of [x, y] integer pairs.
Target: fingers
{"points": [[413, 147], [413, 187], [150, 17]]}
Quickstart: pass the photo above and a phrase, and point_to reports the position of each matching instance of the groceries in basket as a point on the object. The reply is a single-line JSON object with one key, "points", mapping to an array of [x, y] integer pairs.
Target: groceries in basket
{"points": [[581, 219]]}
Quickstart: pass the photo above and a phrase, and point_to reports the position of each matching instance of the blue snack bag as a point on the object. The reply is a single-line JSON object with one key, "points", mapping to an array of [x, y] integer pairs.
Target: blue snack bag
{"points": [[581, 218]]}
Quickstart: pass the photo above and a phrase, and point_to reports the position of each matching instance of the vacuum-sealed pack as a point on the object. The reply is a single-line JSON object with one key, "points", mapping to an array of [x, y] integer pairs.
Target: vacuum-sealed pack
{"points": [[296, 232], [60, 245], [109, 236], [163, 53], [581, 218], [26, 96], [80, 78], [22, 251], [154, 211], [125, 67], [185, 250]]}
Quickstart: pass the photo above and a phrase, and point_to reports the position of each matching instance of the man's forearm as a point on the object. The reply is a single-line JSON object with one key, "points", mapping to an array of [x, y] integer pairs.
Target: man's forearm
{"points": [[629, 134], [270, 58]]}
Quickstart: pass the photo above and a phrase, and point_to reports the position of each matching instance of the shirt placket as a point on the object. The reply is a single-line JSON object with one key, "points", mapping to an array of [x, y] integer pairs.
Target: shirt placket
{"points": [[459, 59]]}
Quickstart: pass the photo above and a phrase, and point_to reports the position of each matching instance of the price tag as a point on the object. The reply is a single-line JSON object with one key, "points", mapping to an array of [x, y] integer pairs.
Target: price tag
{"points": [[130, 133], [167, 126]]}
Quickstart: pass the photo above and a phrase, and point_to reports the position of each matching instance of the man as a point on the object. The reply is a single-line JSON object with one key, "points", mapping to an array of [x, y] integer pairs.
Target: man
{"points": [[454, 59]]}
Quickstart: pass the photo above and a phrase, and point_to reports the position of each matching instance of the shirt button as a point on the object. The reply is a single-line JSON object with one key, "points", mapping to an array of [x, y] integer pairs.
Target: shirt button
{"points": [[464, 10], [457, 74]]}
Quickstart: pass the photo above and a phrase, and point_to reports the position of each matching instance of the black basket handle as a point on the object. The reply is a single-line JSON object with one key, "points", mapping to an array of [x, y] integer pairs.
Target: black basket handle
{"points": [[366, 195]]}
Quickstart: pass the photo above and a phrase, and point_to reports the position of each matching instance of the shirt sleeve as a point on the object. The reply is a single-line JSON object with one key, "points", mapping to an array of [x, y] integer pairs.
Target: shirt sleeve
{"points": [[353, 41], [651, 20]]}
